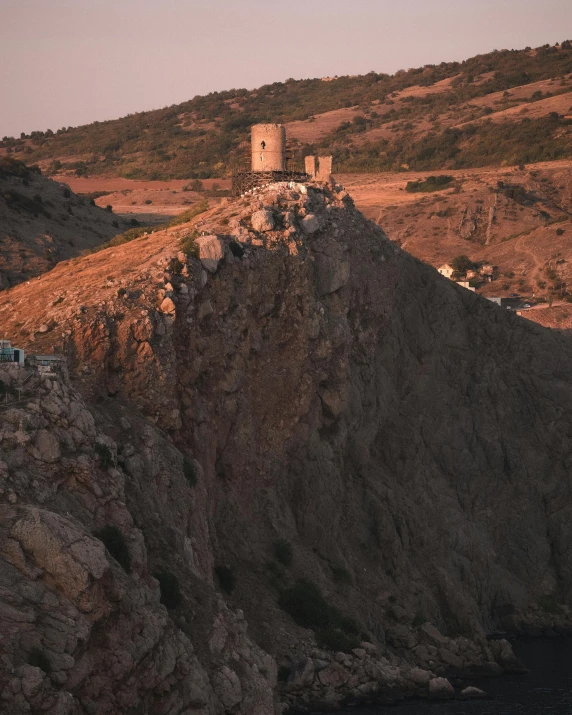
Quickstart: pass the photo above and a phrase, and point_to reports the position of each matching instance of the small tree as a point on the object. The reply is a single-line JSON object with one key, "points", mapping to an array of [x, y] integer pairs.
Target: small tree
{"points": [[461, 264]]}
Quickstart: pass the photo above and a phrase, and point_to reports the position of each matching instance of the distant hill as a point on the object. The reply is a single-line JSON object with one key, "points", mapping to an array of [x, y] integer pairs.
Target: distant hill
{"points": [[505, 107], [43, 222]]}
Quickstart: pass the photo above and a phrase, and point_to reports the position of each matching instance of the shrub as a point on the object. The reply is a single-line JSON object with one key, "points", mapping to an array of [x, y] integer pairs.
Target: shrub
{"points": [[341, 575], [226, 579], [67, 193], [175, 266], [462, 264], [189, 214], [284, 673], [104, 454], [548, 605], [148, 201], [190, 472], [129, 235], [188, 244], [39, 659], [336, 640], [115, 543], [109, 208], [431, 183], [121, 292], [283, 551], [306, 605], [559, 231], [170, 590]]}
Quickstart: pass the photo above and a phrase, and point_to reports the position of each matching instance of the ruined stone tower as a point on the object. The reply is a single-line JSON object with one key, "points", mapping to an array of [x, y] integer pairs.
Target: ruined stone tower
{"points": [[268, 147]]}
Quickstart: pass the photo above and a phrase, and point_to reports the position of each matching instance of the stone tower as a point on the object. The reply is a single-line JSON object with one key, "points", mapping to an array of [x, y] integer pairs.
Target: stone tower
{"points": [[268, 147]]}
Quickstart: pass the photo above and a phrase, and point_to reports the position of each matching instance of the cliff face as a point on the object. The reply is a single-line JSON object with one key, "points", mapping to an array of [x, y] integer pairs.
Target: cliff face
{"points": [[300, 385]]}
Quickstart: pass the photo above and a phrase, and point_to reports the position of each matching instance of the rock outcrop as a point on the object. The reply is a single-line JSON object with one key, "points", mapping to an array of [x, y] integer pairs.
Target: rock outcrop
{"points": [[292, 468]]}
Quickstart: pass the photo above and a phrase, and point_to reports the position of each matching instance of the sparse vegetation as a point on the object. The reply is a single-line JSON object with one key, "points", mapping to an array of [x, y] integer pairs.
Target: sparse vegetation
{"points": [[306, 605], [431, 183], [115, 543], [188, 244], [341, 575], [104, 455], [283, 551], [207, 132], [190, 472], [548, 604], [336, 640]]}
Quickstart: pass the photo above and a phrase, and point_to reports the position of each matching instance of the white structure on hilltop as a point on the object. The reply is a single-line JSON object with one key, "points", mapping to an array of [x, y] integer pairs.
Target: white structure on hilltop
{"points": [[446, 270], [10, 354]]}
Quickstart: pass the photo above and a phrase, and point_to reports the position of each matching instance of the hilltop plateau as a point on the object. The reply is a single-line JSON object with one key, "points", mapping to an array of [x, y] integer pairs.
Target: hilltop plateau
{"points": [[291, 467]]}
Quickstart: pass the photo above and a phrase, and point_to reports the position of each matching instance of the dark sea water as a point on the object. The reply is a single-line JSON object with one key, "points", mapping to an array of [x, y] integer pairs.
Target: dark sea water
{"points": [[546, 690]]}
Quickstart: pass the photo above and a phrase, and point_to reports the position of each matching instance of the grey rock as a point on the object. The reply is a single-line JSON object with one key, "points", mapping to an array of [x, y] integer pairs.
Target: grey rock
{"points": [[262, 220]]}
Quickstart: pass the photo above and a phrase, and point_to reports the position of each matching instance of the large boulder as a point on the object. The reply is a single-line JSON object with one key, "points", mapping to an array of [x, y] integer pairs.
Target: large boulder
{"points": [[262, 220], [48, 446], [211, 252]]}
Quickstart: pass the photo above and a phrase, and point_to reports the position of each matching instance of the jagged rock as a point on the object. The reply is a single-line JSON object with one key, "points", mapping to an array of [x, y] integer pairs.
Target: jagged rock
{"points": [[440, 689], [450, 658], [432, 635], [168, 307], [48, 446], [211, 252], [333, 675], [262, 220], [472, 693], [310, 224], [227, 687]]}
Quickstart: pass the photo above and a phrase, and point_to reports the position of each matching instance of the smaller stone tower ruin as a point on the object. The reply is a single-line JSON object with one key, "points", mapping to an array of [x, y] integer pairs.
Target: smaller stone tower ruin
{"points": [[268, 147]]}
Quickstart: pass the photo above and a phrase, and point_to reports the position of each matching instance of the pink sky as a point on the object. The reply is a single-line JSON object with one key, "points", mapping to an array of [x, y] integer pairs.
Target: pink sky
{"points": [[71, 62]]}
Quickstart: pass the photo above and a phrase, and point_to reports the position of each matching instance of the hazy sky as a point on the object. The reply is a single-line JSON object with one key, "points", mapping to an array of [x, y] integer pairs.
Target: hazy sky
{"points": [[70, 62]]}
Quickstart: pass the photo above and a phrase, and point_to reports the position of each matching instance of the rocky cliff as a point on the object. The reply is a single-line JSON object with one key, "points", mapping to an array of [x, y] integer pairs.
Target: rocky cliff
{"points": [[292, 466]]}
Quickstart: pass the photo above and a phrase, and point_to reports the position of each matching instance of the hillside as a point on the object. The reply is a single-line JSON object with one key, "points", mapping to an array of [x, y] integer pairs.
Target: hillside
{"points": [[511, 106], [293, 467], [517, 219], [43, 222]]}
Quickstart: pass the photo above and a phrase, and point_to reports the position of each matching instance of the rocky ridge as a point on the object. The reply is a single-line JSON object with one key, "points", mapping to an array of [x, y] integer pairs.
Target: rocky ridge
{"points": [[291, 376]]}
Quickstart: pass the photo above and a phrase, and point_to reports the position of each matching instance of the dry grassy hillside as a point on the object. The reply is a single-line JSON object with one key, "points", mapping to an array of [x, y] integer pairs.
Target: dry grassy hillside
{"points": [[43, 222], [518, 219], [509, 106]]}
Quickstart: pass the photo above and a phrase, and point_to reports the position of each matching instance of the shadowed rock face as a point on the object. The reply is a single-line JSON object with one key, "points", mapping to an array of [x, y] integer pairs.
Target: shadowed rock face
{"points": [[328, 390]]}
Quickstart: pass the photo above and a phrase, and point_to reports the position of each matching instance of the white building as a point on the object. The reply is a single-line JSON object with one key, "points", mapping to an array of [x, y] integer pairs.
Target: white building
{"points": [[446, 270]]}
